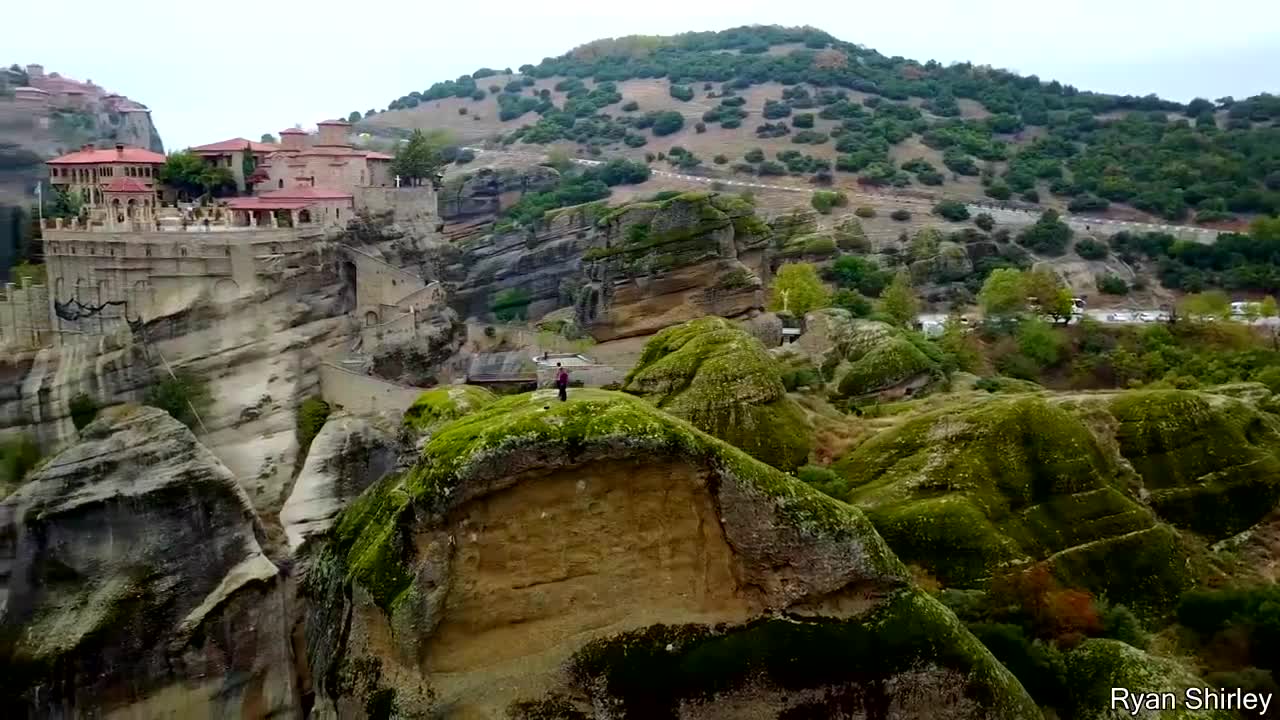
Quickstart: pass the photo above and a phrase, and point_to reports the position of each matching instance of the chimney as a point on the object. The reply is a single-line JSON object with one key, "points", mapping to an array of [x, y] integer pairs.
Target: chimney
{"points": [[119, 150]]}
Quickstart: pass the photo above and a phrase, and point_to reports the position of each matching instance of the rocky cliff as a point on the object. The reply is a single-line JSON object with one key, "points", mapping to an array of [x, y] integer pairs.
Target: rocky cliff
{"points": [[627, 271], [599, 558], [134, 582]]}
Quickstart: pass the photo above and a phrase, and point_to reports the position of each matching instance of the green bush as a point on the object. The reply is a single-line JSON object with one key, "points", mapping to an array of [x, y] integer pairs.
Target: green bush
{"points": [[754, 155], [802, 120], [1039, 666], [1112, 285], [184, 395], [1049, 236], [83, 409], [720, 160], [630, 106], [667, 122], [18, 456], [682, 93], [511, 304], [824, 200], [1091, 248], [952, 210], [824, 480], [1120, 623], [312, 415], [699, 127], [865, 211], [984, 221], [900, 215]]}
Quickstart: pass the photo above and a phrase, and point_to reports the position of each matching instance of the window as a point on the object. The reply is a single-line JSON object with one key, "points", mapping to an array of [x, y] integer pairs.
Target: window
{"points": [[148, 251], [281, 181]]}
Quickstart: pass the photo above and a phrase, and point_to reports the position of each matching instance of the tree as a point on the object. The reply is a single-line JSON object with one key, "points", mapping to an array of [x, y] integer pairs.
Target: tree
{"points": [[354, 117], [1112, 284], [1091, 248], [861, 274], [667, 122], [951, 210], [268, 138], [984, 221], [1211, 305], [418, 159], [1003, 293], [1036, 340], [956, 342], [1049, 236], [925, 243], [797, 290], [183, 395], [1043, 288], [824, 200], [183, 171], [899, 301]]}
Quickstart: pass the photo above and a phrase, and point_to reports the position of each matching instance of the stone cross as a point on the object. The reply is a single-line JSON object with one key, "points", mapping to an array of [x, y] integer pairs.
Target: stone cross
{"points": [[397, 181]]}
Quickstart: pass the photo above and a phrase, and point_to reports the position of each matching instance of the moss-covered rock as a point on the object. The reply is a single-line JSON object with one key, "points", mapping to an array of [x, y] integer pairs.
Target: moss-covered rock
{"points": [[1097, 666], [974, 492], [651, 673], [1209, 462], [444, 404], [819, 607], [724, 381], [889, 363]]}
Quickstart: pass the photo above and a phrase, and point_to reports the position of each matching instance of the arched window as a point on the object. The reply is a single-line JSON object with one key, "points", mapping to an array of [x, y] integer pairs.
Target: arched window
{"points": [[182, 252], [370, 319], [281, 181]]}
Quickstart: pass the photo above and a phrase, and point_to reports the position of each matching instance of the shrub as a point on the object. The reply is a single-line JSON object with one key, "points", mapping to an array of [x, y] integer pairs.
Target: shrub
{"points": [[510, 304], [667, 122], [824, 200], [464, 156], [720, 160], [754, 155], [83, 409], [18, 456], [683, 93], [774, 109], [312, 415], [1120, 623], [184, 395], [699, 127], [952, 210], [1031, 196], [984, 221], [900, 215], [630, 106], [802, 120], [1112, 285], [1091, 248], [865, 211], [822, 479], [1088, 203], [462, 111], [478, 95], [809, 137], [999, 191], [770, 167], [730, 123], [1049, 236]]}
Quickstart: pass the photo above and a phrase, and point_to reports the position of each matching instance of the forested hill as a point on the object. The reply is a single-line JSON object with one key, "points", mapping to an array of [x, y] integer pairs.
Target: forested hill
{"points": [[883, 120]]}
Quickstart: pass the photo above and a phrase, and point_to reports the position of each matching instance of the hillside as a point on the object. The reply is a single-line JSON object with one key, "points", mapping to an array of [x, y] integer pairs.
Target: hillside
{"points": [[842, 113]]}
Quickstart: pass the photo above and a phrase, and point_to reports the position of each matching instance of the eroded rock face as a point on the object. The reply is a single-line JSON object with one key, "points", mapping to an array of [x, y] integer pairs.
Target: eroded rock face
{"points": [[133, 582], [866, 358], [348, 455], [974, 492], [599, 558], [1097, 666], [722, 380]]}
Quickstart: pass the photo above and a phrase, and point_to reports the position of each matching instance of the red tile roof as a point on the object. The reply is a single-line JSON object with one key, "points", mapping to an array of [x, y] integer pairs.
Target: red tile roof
{"points": [[98, 157], [126, 185], [306, 192], [234, 145], [293, 131]]}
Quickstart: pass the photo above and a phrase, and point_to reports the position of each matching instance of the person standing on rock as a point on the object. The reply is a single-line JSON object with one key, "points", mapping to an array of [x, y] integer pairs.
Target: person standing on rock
{"points": [[562, 382]]}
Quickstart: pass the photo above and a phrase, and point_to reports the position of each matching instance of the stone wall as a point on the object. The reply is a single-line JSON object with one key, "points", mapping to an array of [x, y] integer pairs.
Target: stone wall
{"points": [[24, 315], [365, 395], [408, 203]]}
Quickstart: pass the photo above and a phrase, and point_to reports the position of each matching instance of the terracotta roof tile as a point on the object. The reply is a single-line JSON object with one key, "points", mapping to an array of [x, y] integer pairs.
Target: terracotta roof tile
{"points": [[235, 144], [306, 192], [127, 185], [110, 155]]}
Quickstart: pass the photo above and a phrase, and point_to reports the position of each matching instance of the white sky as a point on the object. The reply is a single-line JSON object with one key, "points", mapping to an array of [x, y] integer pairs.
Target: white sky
{"points": [[212, 71]]}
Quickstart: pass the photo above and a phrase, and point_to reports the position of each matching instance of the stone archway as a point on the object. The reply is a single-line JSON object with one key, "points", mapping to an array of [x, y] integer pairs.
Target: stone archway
{"points": [[304, 216], [225, 290], [370, 319], [131, 208]]}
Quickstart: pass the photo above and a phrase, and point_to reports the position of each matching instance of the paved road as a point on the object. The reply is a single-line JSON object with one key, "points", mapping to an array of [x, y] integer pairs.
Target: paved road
{"points": [[1108, 316], [1006, 215]]}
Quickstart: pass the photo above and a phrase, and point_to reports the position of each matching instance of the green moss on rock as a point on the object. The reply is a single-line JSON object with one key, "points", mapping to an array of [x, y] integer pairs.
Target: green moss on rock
{"points": [[889, 363], [1209, 462], [480, 451], [650, 672], [1097, 666], [721, 379], [970, 493], [443, 404]]}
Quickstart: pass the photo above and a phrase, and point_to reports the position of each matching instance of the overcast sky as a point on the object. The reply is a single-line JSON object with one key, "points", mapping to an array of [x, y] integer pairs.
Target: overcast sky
{"points": [[212, 71]]}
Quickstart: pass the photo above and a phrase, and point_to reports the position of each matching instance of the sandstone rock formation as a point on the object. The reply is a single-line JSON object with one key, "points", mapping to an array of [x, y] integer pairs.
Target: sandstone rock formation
{"points": [[348, 455], [599, 558], [723, 381], [490, 190], [134, 583], [866, 358], [1090, 485], [1097, 666]]}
